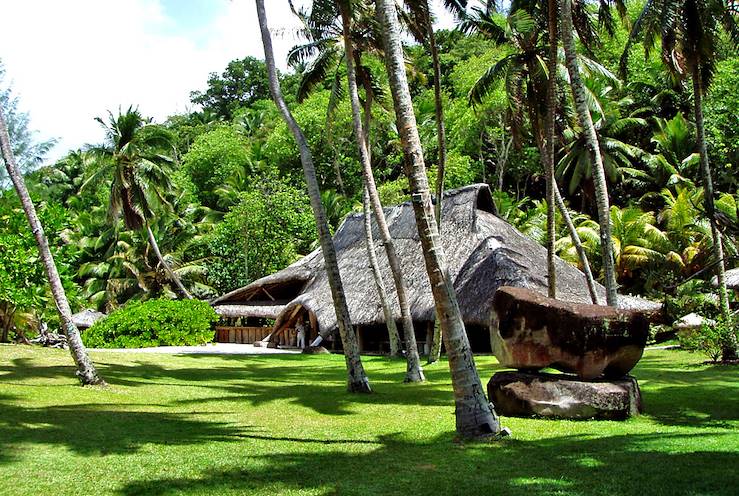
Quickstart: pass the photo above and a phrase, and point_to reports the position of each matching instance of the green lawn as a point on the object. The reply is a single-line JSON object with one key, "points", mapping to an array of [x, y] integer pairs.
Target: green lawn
{"points": [[283, 424]]}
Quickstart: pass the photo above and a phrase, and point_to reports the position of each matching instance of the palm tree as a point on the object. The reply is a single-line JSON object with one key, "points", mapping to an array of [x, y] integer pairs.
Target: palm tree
{"points": [[423, 29], [85, 368], [524, 79], [612, 126], [326, 45], [357, 378], [414, 372], [689, 34], [474, 414], [133, 156], [586, 122]]}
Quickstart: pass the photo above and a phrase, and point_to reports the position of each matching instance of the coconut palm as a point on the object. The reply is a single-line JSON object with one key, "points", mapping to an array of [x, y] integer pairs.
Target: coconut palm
{"points": [[357, 378], [689, 31], [85, 368], [579, 94], [134, 157], [613, 122], [475, 416], [414, 372], [526, 80]]}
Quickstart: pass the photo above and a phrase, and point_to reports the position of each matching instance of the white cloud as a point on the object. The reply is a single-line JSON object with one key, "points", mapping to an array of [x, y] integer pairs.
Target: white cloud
{"points": [[73, 60]]}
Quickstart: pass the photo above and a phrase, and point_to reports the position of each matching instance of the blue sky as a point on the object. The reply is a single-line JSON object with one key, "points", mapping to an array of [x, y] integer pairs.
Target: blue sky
{"points": [[73, 60]]}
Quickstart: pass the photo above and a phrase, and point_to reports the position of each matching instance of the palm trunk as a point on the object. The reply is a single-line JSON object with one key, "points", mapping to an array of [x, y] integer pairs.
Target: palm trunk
{"points": [[599, 175], [435, 351], [392, 328], [475, 416], [549, 162], [86, 371], [729, 349], [414, 372], [575, 237], [357, 378], [387, 311], [170, 273]]}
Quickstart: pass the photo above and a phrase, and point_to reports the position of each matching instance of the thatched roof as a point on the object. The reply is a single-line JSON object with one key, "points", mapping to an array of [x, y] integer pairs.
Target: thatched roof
{"points": [[86, 318], [483, 253], [251, 310]]}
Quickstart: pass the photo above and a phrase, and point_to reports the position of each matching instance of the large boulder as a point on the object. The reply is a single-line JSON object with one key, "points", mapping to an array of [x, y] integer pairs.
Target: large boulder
{"points": [[529, 331], [523, 394]]}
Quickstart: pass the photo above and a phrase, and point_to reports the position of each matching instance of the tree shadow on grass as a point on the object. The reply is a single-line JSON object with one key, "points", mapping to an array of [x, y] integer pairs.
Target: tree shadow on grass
{"points": [[98, 429], [573, 465], [700, 396]]}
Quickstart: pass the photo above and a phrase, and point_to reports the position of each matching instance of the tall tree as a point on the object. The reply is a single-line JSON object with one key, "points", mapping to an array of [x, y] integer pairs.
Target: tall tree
{"points": [[357, 378], [240, 85], [583, 113], [475, 416], [689, 31], [528, 86], [424, 31], [85, 368], [414, 372], [134, 156]]}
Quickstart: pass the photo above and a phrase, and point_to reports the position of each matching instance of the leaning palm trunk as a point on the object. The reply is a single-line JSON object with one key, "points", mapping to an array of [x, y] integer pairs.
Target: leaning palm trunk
{"points": [[435, 351], [170, 273], [475, 417], [729, 348], [599, 176], [387, 311], [575, 237], [86, 371], [392, 328], [357, 378], [414, 372], [549, 162]]}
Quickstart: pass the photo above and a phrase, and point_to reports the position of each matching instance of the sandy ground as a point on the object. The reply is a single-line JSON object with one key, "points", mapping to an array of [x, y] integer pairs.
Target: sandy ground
{"points": [[208, 349]]}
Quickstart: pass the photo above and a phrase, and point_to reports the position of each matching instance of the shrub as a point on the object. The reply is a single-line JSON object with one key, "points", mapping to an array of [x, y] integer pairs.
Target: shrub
{"points": [[711, 339], [154, 323]]}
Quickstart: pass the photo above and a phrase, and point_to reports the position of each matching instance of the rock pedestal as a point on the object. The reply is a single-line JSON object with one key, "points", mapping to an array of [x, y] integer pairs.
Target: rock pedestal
{"points": [[529, 331], [526, 394]]}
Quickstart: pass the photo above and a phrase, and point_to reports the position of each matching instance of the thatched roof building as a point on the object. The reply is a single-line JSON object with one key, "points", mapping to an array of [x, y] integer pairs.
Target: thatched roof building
{"points": [[483, 252]]}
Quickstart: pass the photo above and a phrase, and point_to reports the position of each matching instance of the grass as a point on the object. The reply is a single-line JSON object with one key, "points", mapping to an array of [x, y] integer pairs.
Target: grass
{"points": [[284, 425]]}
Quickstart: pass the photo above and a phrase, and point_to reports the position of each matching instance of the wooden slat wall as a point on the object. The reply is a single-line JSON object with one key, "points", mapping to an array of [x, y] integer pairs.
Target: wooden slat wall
{"points": [[241, 334]]}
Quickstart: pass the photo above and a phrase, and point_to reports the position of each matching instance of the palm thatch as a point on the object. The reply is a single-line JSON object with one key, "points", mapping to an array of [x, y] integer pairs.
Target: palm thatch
{"points": [[483, 253]]}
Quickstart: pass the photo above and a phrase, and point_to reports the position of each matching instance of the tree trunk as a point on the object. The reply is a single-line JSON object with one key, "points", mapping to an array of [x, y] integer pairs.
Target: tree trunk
{"points": [[549, 162], [475, 416], [599, 175], [435, 352], [167, 269], [86, 371], [546, 157], [729, 349], [392, 329], [414, 372], [357, 378], [575, 237]]}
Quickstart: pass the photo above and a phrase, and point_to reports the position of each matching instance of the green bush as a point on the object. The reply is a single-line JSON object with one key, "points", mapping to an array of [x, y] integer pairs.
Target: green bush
{"points": [[711, 339], [154, 323]]}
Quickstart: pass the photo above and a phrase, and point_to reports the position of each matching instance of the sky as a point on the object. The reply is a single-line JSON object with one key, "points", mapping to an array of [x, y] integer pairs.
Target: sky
{"points": [[73, 60]]}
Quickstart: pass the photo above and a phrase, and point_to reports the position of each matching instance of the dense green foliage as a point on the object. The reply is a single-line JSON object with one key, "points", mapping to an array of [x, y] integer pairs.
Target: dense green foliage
{"points": [[154, 323], [284, 424]]}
